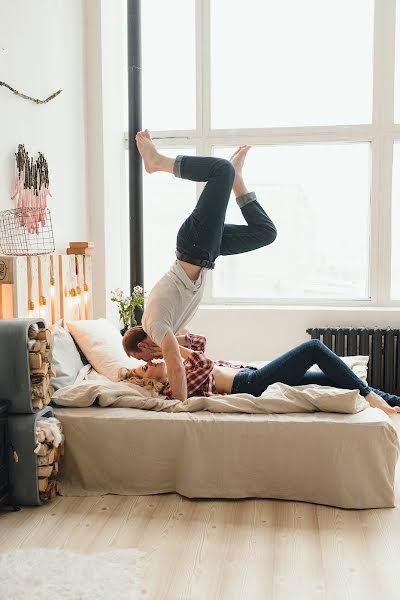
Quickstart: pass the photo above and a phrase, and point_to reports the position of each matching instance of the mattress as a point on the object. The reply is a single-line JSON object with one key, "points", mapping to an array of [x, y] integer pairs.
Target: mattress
{"points": [[343, 460]]}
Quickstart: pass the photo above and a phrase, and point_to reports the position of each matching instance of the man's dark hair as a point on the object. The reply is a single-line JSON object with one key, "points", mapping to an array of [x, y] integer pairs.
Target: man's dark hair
{"points": [[132, 338]]}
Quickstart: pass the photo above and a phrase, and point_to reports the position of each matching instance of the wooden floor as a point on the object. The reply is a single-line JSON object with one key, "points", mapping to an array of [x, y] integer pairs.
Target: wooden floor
{"points": [[217, 549]]}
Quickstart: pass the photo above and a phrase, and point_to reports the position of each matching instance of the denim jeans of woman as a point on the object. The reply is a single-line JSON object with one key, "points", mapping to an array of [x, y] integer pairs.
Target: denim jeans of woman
{"points": [[293, 367]]}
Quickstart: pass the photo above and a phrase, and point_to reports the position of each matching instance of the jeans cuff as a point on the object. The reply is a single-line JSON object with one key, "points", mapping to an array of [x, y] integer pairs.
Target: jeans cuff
{"points": [[177, 166], [246, 199]]}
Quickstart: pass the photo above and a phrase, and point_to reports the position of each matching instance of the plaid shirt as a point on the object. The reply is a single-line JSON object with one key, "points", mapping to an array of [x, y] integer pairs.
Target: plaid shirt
{"points": [[195, 342], [199, 377]]}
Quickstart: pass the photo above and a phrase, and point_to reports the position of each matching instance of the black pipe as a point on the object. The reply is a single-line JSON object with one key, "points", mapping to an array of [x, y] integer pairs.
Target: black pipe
{"points": [[135, 161]]}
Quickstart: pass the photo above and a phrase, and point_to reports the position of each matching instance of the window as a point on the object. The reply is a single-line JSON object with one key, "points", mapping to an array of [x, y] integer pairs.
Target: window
{"points": [[397, 68], [291, 63], [168, 63], [396, 224], [167, 202], [315, 194], [311, 85]]}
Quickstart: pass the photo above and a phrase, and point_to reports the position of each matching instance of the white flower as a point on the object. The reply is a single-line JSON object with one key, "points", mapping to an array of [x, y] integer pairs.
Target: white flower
{"points": [[138, 290]]}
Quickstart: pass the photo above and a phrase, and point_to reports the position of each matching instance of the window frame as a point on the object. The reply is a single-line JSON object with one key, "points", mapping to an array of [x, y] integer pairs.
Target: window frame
{"points": [[381, 134]]}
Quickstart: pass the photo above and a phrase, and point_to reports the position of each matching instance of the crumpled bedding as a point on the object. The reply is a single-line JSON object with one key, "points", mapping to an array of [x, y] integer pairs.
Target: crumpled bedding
{"points": [[278, 398]]}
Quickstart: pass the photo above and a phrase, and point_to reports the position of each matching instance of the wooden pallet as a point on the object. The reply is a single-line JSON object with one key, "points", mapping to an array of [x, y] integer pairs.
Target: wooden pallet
{"points": [[52, 287]]}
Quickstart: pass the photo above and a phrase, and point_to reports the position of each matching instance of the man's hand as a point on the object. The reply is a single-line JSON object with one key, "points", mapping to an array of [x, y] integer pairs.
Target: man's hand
{"points": [[175, 370], [150, 349]]}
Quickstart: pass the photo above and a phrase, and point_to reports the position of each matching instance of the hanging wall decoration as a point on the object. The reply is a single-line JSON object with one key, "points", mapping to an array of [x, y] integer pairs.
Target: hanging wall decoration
{"points": [[27, 229], [26, 97]]}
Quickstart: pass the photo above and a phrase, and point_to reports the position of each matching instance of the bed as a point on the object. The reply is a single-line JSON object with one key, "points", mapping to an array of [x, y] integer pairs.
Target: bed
{"points": [[340, 460], [223, 447]]}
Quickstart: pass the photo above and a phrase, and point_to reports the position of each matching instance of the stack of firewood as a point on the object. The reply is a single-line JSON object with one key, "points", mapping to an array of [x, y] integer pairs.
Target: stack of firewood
{"points": [[41, 369], [49, 449]]}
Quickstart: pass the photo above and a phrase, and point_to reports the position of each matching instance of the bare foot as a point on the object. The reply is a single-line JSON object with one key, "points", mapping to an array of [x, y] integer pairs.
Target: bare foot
{"points": [[377, 402], [148, 151], [238, 158]]}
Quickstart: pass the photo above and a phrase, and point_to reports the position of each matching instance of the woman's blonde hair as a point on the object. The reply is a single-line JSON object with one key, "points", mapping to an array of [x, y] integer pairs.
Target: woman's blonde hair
{"points": [[125, 374]]}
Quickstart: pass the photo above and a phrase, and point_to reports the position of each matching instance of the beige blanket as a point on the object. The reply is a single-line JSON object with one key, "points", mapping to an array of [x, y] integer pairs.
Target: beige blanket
{"points": [[278, 398]]}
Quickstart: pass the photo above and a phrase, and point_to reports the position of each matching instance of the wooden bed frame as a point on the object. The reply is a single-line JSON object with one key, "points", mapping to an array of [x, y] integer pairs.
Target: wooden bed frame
{"points": [[51, 287]]}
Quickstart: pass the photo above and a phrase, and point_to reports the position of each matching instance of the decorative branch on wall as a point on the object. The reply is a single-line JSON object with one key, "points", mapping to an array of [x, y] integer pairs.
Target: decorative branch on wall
{"points": [[36, 100]]}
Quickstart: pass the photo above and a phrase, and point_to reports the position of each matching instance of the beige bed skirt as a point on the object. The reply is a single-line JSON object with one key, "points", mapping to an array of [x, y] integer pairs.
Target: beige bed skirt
{"points": [[326, 458]]}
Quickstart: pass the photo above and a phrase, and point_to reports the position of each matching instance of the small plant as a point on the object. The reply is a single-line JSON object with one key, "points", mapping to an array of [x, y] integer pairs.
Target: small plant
{"points": [[127, 304]]}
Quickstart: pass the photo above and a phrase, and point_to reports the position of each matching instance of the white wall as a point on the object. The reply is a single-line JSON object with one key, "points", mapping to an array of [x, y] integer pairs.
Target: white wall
{"points": [[41, 51], [106, 158], [263, 333]]}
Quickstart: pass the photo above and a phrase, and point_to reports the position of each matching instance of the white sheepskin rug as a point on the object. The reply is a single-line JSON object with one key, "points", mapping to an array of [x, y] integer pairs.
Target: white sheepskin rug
{"points": [[64, 575]]}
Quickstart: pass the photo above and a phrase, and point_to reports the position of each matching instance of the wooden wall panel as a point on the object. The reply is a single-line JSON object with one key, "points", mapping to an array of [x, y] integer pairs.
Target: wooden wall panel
{"points": [[33, 285], [56, 290], [44, 288], [89, 294], [20, 280], [6, 301], [80, 286], [27, 278]]}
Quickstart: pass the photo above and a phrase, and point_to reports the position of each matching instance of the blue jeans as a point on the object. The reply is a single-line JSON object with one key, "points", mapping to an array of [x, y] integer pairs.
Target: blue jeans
{"points": [[204, 235], [293, 367]]}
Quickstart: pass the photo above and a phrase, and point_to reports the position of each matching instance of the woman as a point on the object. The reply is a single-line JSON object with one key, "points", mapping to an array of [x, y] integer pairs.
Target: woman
{"points": [[206, 377]]}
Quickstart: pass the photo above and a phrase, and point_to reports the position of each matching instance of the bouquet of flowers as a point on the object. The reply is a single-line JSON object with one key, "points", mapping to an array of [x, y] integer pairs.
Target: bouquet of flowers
{"points": [[127, 304]]}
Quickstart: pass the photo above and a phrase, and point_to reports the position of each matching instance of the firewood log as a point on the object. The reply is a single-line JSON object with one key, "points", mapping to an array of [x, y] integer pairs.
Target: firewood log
{"points": [[37, 403], [55, 470], [46, 355], [45, 470], [40, 389], [44, 335], [46, 459], [52, 370], [51, 392], [43, 347], [40, 436], [43, 483], [42, 371], [42, 450], [35, 360], [51, 455], [50, 492], [33, 331], [34, 345]]}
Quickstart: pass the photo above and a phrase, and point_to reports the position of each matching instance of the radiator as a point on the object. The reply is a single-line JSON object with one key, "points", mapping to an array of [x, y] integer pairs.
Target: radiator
{"points": [[381, 345]]}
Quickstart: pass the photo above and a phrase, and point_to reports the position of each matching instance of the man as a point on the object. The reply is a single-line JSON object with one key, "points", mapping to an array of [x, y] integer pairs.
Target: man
{"points": [[201, 239]]}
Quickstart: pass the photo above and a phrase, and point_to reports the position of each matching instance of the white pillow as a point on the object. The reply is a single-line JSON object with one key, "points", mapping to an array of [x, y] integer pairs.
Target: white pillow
{"points": [[101, 343], [65, 358]]}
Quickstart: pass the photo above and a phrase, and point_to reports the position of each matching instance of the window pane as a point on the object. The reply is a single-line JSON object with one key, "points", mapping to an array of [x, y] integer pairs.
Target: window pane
{"points": [[169, 66], [167, 202], [318, 196], [291, 63], [396, 223], [397, 68]]}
